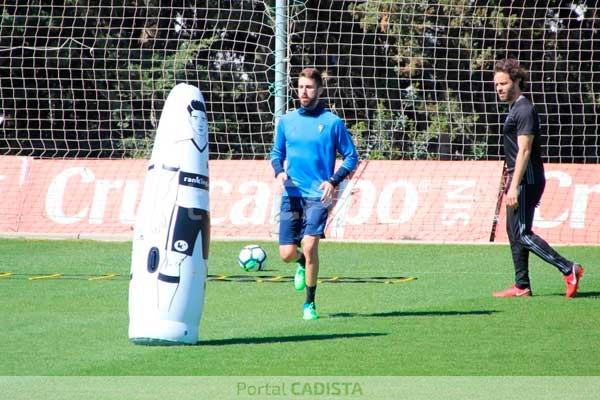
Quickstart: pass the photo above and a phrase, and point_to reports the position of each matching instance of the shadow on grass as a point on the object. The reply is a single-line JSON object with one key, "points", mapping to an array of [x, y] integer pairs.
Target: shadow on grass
{"points": [[284, 339], [415, 314], [581, 295]]}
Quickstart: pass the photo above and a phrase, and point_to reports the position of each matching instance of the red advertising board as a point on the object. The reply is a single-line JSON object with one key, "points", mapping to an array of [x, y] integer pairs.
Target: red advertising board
{"points": [[430, 201], [13, 183], [421, 201], [569, 212]]}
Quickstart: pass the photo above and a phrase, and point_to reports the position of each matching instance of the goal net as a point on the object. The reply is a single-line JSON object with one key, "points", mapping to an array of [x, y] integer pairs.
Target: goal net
{"points": [[86, 80], [411, 78]]}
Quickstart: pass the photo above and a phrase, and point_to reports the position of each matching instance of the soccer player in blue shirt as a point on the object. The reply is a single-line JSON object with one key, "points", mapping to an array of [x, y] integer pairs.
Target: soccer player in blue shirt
{"points": [[308, 140], [522, 150]]}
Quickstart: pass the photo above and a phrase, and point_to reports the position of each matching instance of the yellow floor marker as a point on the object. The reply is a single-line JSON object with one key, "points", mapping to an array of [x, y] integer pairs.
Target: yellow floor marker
{"points": [[247, 278], [41, 277], [400, 280], [102, 277], [275, 279], [332, 279]]}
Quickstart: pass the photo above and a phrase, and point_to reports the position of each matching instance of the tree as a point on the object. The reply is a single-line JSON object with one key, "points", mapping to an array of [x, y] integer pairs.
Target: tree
{"points": [[412, 79]]}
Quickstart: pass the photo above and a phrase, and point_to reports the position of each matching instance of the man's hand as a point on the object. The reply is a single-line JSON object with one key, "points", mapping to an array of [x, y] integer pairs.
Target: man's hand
{"points": [[512, 197], [281, 179], [328, 190]]}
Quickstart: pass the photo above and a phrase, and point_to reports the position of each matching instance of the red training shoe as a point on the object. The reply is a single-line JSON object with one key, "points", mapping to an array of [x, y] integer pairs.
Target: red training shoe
{"points": [[513, 291], [572, 280]]}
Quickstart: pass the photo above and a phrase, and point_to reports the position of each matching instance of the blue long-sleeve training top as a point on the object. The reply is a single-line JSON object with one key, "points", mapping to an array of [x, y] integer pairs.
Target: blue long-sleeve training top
{"points": [[309, 142]]}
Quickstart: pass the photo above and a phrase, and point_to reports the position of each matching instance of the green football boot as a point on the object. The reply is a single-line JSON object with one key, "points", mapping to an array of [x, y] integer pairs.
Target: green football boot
{"points": [[300, 278], [309, 312]]}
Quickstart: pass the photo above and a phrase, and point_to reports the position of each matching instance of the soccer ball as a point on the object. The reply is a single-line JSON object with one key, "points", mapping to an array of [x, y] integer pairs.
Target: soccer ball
{"points": [[252, 258]]}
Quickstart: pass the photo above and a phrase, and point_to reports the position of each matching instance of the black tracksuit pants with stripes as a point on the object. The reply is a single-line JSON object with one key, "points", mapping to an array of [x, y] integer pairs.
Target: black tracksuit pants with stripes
{"points": [[522, 239]]}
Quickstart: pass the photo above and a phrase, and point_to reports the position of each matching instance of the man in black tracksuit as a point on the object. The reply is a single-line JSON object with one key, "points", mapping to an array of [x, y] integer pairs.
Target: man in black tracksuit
{"points": [[522, 150]]}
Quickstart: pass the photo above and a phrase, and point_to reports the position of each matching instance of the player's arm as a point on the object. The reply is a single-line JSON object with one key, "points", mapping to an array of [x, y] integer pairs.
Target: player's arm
{"points": [[278, 155], [346, 148], [525, 143]]}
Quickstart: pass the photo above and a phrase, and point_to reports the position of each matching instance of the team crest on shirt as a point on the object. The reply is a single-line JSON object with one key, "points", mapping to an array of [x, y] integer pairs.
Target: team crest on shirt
{"points": [[320, 127]]}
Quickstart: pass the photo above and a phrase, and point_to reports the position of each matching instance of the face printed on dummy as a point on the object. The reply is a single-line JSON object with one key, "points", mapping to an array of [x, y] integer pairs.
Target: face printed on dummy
{"points": [[198, 121]]}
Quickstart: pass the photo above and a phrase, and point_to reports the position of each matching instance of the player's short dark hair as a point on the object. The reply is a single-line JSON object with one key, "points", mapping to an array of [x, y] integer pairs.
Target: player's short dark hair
{"points": [[314, 74], [516, 72]]}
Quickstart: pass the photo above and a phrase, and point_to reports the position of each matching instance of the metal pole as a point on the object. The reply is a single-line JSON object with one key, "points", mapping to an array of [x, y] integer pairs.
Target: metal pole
{"points": [[280, 58]]}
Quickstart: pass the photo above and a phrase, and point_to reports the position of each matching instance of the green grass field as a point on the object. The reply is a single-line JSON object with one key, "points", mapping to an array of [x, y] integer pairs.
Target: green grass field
{"points": [[443, 323]]}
